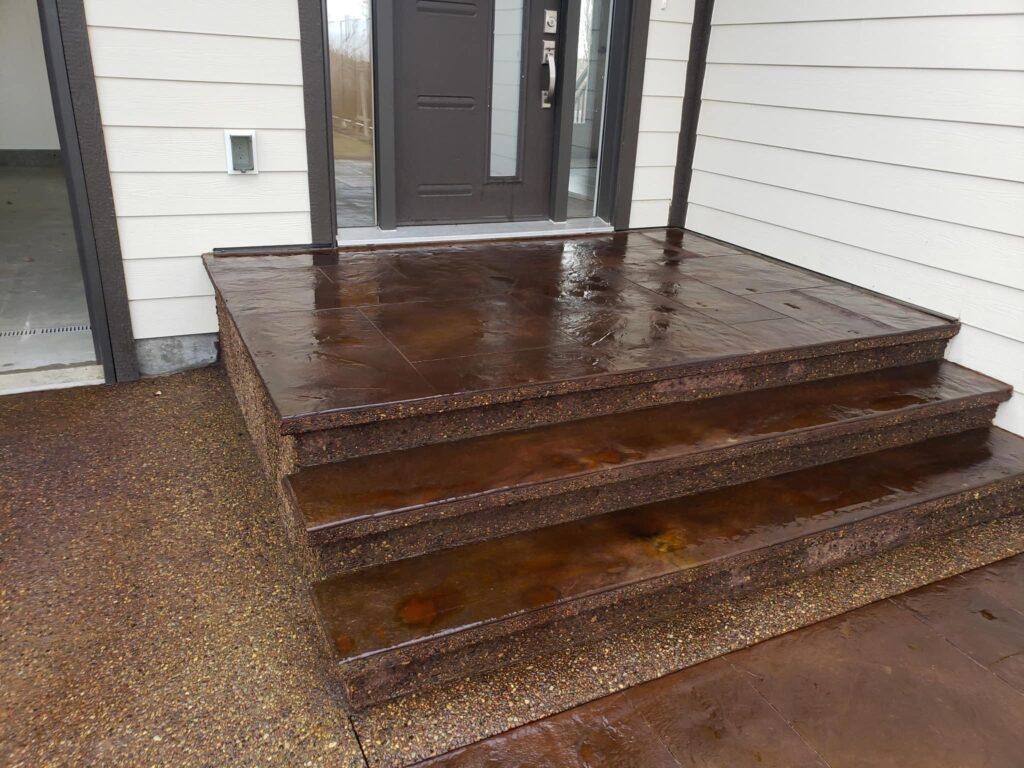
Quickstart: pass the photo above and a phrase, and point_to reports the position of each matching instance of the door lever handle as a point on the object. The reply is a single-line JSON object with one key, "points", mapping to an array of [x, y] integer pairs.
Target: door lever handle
{"points": [[546, 96]]}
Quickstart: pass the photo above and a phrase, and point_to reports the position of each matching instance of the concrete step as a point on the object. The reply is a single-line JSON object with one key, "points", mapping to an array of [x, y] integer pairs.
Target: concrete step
{"points": [[374, 509], [411, 623], [335, 355]]}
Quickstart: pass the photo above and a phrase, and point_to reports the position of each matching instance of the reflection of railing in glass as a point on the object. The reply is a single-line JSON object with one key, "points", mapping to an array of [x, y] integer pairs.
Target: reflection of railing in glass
{"points": [[506, 75], [579, 111], [588, 107], [351, 71]]}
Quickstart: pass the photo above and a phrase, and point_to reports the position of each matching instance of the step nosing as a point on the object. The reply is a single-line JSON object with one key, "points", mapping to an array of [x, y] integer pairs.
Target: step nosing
{"points": [[813, 433], [983, 489], [312, 422]]}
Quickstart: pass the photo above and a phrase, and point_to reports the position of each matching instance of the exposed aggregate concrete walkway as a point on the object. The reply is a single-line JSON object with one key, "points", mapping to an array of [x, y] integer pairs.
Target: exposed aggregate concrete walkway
{"points": [[154, 612]]}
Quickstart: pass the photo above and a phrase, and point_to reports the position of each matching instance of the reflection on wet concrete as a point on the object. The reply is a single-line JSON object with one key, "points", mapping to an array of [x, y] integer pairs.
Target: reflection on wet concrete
{"points": [[416, 598], [440, 320], [898, 683], [403, 479]]}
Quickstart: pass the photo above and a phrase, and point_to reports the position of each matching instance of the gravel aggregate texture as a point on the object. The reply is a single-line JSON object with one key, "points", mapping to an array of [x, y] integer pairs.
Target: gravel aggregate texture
{"points": [[152, 609]]}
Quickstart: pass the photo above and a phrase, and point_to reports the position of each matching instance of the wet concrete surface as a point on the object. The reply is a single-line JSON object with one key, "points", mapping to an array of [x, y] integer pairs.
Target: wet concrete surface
{"points": [[427, 597], [901, 683], [348, 490], [152, 609], [354, 330]]}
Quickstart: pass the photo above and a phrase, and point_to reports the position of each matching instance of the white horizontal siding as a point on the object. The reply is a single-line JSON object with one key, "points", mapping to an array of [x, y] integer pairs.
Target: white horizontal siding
{"points": [[182, 315], [680, 11], [824, 10], [975, 201], [935, 243], [660, 114], [886, 150], [170, 78], [178, 150], [173, 104], [249, 18], [152, 55], [992, 151], [649, 213], [933, 94], [652, 183], [655, 147], [951, 42], [147, 278], [661, 111], [665, 78], [157, 237], [663, 39], [194, 194]]}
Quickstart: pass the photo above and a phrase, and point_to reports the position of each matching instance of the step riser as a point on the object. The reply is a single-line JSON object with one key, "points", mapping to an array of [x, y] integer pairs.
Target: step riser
{"points": [[329, 445], [363, 544], [276, 451], [377, 678]]}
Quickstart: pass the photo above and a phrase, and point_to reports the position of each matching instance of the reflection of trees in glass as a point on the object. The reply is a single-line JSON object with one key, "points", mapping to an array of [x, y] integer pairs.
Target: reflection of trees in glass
{"points": [[351, 71], [348, 38]]}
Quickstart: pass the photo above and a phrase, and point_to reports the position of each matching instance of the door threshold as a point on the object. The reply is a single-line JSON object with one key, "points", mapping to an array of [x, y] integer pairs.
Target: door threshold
{"points": [[51, 377], [434, 233]]}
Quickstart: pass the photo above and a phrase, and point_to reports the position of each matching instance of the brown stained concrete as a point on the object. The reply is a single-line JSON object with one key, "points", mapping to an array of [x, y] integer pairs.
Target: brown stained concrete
{"points": [[404, 480], [395, 624], [880, 686], [454, 715], [152, 610], [352, 337]]}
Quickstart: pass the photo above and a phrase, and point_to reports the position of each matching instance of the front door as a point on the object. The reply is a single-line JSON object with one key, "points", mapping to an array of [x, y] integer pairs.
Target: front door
{"points": [[475, 84]]}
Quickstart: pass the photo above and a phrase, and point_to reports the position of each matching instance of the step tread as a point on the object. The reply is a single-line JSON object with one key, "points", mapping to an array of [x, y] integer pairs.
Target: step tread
{"points": [[423, 598], [336, 494]]}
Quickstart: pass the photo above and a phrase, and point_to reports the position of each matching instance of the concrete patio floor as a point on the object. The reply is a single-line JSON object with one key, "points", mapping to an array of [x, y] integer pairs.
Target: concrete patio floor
{"points": [[154, 612], [931, 678]]}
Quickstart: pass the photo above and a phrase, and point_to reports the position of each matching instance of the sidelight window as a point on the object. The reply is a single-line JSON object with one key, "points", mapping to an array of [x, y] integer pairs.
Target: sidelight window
{"points": [[352, 122], [506, 87], [588, 105]]}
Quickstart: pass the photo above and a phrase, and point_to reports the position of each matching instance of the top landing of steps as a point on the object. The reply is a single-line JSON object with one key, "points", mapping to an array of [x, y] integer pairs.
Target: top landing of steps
{"points": [[340, 338]]}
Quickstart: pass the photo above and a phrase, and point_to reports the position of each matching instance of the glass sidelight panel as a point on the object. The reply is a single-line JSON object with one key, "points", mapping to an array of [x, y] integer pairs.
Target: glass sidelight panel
{"points": [[588, 106], [506, 87], [351, 65]]}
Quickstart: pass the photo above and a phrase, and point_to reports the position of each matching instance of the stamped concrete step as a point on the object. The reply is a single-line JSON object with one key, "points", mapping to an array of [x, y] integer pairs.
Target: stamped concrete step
{"points": [[335, 354], [407, 624], [378, 508]]}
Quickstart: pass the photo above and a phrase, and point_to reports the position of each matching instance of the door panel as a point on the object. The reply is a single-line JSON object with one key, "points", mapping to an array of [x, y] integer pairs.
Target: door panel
{"points": [[444, 51]]}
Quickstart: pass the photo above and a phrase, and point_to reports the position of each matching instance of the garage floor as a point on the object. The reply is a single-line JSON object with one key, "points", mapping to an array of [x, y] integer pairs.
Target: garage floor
{"points": [[44, 322]]}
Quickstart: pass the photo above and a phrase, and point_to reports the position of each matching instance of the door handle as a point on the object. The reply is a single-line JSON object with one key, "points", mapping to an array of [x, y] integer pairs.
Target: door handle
{"points": [[549, 59]]}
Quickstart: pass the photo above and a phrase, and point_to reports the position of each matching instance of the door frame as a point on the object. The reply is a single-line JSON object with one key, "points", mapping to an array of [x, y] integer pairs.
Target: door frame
{"points": [[84, 157], [624, 87]]}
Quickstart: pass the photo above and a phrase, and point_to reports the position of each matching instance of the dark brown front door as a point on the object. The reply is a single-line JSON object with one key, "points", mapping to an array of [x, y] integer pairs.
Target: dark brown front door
{"points": [[473, 137]]}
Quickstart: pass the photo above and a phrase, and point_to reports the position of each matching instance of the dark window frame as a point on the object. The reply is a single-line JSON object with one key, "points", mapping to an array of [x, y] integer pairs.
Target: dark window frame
{"points": [[624, 88], [84, 157], [700, 35]]}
